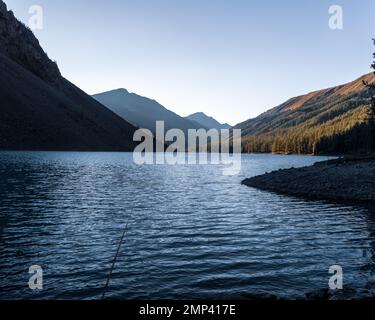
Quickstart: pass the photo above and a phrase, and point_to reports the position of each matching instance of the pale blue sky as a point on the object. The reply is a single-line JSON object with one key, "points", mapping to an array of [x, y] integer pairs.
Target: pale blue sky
{"points": [[231, 59]]}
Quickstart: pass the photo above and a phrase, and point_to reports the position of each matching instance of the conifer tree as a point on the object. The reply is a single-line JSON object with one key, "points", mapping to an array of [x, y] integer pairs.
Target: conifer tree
{"points": [[371, 87]]}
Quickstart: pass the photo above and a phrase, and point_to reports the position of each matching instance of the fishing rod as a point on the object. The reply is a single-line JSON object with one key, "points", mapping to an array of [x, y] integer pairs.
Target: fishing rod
{"points": [[114, 261]]}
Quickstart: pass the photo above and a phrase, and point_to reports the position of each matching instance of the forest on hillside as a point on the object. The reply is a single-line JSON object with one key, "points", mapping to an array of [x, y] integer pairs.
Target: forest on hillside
{"points": [[340, 127], [339, 120]]}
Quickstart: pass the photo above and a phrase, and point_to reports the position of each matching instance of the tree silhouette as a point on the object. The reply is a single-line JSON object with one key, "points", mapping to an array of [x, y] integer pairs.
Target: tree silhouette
{"points": [[371, 87]]}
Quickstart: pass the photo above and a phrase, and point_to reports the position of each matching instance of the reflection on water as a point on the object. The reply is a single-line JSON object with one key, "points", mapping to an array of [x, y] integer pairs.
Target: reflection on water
{"points": [[193, 233]]}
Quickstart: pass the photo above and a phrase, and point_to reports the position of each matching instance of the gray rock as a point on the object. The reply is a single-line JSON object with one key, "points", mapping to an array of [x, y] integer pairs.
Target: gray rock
{"points": [[342, 179]]}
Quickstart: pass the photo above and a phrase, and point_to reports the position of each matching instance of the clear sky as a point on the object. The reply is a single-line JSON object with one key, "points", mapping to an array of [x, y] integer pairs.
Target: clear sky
{"points": [[232, 59]]}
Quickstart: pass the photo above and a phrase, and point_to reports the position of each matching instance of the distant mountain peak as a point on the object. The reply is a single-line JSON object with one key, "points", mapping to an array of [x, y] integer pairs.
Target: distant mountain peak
{"points": [[142, 111], [120, 91], [207, 121], [199, 114]]}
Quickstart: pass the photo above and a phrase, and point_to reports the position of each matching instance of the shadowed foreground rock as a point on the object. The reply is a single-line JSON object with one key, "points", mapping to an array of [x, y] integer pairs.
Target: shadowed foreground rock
{"points": [[346, 179]]}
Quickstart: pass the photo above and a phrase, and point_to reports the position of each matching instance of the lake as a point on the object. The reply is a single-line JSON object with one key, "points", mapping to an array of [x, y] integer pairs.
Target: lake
{"points": [[191, 232]]}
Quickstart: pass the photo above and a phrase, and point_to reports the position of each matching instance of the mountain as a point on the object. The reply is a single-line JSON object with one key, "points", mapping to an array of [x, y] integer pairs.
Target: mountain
{"points": [[141, 111], [334, 120], [40, 110], [206, 121]]}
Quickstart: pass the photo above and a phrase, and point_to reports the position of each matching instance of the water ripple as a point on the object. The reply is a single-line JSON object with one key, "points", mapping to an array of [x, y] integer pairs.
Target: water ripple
{"points": [[192, 233]]}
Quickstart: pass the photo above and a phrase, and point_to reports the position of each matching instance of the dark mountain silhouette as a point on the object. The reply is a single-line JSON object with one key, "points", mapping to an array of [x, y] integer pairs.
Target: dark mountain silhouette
{"points": [[334, 120], [143, 112], [206, 121], [40, 110]]}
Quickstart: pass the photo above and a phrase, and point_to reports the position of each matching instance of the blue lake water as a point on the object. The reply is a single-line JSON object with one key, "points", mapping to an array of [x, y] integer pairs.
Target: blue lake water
{"points": [[192, 232]]}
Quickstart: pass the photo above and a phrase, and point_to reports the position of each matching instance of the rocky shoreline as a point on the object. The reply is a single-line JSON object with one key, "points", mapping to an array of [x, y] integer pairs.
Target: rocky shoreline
{"points": [[350, 179]]}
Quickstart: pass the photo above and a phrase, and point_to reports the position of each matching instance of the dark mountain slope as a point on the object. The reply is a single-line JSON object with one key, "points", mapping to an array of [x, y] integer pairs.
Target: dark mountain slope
{"points": [[143, 112], [334, 120], [40, 110]]}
